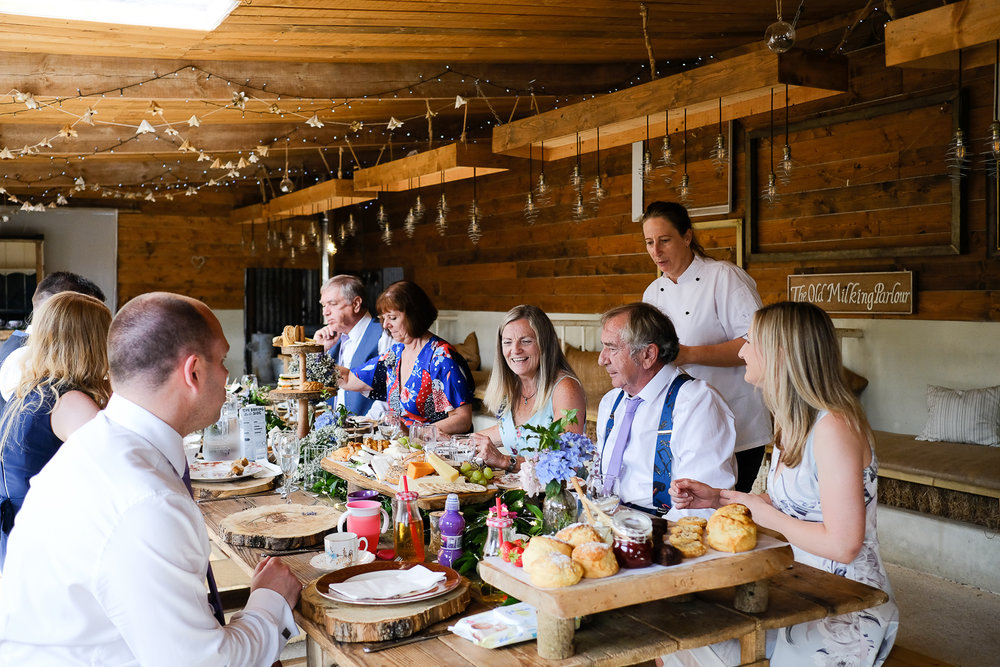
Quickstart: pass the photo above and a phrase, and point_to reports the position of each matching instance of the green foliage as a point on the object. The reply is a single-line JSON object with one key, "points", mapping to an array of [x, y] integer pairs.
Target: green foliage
{"points": [[547, 437], [331, 485]]}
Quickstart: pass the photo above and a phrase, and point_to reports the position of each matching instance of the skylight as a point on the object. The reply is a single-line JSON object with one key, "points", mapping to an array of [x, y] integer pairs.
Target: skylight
{"points": [[181, 14]]}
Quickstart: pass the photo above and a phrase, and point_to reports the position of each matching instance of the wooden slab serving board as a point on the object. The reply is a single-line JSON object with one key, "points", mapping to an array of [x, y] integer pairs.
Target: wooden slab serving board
{"points": [[621, 590], [240, 487], [357, 623], [434, 502], [279, 527]]}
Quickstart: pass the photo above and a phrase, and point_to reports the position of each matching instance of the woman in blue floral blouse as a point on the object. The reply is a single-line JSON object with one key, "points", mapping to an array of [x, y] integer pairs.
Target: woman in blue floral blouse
{"points": [[421, 376]]}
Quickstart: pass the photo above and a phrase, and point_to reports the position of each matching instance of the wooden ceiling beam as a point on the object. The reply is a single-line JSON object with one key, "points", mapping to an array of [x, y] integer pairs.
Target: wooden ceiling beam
{"points": [[449, 163], [921, 39], [67, 76], [332, 194], [743, 83]]}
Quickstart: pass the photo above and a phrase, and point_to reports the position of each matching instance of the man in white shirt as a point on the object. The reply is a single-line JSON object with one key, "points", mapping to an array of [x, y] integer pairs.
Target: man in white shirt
{"points": [[657, 423], [107, 563], [351, 336]]}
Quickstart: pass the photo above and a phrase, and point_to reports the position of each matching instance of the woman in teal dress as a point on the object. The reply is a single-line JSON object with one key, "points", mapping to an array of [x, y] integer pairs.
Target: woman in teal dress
{"points": [[532, 385], [821, 491]]}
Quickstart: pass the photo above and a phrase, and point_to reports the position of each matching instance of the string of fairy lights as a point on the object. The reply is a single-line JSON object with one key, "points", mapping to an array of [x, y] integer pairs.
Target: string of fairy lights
{"points": [[241, 164]]}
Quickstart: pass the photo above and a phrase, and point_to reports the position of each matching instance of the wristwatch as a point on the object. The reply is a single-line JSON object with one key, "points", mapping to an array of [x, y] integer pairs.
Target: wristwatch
{"points": [[512, 463]]}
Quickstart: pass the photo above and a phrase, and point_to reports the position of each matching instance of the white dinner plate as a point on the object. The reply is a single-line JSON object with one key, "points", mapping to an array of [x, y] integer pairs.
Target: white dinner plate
{"points": [[221, 471]]}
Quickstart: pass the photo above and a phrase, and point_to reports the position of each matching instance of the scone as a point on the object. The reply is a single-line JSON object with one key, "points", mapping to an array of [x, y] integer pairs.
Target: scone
{"points": [[577, 534], [553, 570], [692, 521], [541, 545], [689, 547], [687, 529], [596, 558], [731, 529]]}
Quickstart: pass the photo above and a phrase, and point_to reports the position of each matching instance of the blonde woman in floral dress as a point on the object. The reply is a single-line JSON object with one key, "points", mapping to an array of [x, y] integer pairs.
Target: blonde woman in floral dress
{"points": [[822, 488]]}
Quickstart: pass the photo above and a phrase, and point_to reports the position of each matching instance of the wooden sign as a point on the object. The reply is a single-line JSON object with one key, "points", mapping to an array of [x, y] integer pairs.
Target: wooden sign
{"points": [[856, 293]]}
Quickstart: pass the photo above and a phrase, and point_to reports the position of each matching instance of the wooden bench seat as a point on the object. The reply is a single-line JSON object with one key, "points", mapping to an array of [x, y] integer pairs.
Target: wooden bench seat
{"points": [[947, 479]]}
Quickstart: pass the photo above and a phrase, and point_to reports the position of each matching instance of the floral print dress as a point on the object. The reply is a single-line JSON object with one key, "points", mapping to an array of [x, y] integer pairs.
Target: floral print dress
{"points": [[858, 639], [439, 383]]}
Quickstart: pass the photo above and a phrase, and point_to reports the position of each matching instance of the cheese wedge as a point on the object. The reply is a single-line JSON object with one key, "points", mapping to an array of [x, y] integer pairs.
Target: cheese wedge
{"points": [[416, 469], [446, 471]]}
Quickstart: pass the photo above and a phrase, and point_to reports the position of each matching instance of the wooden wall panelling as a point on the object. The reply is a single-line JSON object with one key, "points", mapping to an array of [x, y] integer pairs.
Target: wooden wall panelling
{"points": [[836, 208]]}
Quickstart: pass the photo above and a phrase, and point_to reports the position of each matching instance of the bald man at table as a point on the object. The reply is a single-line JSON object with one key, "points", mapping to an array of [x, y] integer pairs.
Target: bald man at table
{"points": [[107, 563]]}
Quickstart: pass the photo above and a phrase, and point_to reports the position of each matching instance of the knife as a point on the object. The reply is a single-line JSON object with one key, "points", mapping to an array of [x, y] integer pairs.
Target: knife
{"points": [[289, 552], [381, 646]]}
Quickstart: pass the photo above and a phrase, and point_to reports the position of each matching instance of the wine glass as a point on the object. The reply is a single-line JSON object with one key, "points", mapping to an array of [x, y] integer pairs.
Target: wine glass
{"points": [[248, 382], [389, 425], [286, 450]]}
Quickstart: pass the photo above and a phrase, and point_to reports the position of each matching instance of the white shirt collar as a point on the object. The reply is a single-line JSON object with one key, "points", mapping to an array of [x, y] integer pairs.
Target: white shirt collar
{"points": [[358, 330], [656, 385], [693, 269], [151, 428]]}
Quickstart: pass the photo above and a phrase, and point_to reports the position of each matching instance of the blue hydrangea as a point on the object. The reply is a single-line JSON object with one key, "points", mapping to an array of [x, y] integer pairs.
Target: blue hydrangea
{"points": [[574, 450]]}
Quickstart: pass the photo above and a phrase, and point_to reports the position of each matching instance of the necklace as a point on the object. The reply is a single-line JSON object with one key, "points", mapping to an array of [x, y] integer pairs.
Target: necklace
{"points": [[527, 398]]}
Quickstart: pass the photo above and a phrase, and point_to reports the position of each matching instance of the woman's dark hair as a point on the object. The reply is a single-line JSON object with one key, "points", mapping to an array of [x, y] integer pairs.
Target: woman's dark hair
{"points": [[418, 310], [676, 215]]}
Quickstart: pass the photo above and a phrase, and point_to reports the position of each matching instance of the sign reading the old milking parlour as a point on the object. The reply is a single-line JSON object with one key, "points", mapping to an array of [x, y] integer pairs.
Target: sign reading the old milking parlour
{"points": [[860, 293]]}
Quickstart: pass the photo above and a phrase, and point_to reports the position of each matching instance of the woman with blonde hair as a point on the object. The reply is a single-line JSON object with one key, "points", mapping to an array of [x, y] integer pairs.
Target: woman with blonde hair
{"points": [[64, 385], [822, 486], [531, 386]]}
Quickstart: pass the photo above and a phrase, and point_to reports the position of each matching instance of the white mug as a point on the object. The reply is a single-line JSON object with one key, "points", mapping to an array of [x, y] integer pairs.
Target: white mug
{"points": [[342, 548]]}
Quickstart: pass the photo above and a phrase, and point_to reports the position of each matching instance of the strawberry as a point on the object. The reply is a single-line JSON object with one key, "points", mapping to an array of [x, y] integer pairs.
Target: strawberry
{"points": [[511, 551]]}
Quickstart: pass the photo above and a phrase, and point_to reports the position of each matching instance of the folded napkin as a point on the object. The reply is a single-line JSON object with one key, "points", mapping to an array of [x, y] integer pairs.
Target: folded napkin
{"points": [[389, 583]]}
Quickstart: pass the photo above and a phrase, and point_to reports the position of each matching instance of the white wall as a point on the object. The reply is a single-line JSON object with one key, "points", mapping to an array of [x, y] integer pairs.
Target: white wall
{"points": [[901, 357], [80, 240], [232, 326]]}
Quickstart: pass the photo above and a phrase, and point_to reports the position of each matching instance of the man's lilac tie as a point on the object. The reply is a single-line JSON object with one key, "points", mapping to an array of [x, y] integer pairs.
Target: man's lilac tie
{"points": [[215, 599], [615, 465], [340, 362]]}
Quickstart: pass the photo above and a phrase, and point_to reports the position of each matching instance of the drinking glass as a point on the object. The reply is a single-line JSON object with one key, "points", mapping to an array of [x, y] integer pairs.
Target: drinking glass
{"points": [[390, 426], [286, 450], [461, 448], [249, 383]]}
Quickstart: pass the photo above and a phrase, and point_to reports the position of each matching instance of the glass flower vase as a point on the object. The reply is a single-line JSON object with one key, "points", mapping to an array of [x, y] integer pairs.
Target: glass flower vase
{"points": [[558, 508]]}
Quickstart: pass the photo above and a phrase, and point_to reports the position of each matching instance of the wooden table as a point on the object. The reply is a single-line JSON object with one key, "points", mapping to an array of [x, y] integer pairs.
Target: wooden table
{"points": [[434, 502], [623, 636]]}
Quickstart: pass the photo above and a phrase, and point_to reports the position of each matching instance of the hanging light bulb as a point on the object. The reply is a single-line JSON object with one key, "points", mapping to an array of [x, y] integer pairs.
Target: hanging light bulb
{"points": [[303, 242], [331, 247], [780, 35], [576, 175], [958, 151], [530, 205], [646, 164], [386, 233], [543, 192], [770, 192], [442, 211], [418, 210], [342, 233], [993, 134], [381, 219], [785, 165], [579, 210], [531, 211], [352, 227], [667, 160], [720, 154], [475, 231], [291, 254], [597, 191], [410, 223], [684, 190], [286, 184]]}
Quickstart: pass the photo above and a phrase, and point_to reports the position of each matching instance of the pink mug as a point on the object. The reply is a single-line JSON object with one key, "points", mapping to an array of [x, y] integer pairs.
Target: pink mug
{"points": [[362, 519]]}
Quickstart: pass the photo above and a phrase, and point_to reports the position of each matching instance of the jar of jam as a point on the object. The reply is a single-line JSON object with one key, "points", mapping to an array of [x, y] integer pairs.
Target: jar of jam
{"points": [[633, 533]]}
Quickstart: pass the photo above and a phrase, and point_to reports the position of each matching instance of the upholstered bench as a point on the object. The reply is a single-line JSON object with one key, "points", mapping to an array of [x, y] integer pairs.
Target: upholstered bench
{"points": [[947, 479]]}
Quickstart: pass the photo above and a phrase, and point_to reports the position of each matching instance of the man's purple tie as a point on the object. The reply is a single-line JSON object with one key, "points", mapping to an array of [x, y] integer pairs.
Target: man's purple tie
{"points": [[213, 590], [340, 362], [615, 465]]}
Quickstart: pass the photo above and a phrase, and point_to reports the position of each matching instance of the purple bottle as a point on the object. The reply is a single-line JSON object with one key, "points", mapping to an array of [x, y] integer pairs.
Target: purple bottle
{"points": [[451, 525]]}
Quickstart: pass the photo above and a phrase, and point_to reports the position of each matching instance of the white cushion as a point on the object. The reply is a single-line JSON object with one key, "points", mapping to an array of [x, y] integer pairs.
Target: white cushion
{"points": [[970, 416]]}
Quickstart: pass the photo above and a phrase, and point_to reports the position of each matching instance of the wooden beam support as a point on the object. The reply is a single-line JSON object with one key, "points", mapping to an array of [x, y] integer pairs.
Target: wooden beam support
{"points": [[325, 196], [452, 162], [921, 39], [743, 83]]}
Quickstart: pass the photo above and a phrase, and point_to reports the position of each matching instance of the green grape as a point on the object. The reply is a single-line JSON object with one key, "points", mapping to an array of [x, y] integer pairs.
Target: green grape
{"points": [[488, 473], [477, 477], [466, 467]]}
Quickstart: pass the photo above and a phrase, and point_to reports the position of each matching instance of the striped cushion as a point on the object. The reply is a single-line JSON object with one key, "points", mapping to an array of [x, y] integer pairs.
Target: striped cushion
{"points": [[970, 416]]}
